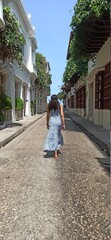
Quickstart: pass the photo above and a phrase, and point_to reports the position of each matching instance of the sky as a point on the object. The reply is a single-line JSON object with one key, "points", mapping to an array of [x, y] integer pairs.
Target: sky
{"points": [[51, 19]]}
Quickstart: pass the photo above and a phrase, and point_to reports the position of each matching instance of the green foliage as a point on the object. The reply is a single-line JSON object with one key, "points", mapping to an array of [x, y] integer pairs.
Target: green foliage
{"points": [[44, 78], [11, 40], [32, 104], [8, 102], [18, 103], [69, 70], [61, 95], [86, 13], [5, 104], [5, 101], [88, 10]]}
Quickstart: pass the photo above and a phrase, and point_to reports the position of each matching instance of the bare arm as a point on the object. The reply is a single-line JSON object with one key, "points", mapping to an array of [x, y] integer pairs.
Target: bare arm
{"points": [[62, 116]]}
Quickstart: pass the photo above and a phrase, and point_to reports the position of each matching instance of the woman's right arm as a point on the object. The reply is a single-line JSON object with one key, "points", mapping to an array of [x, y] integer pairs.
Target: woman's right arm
{"points": [[62, 117]]}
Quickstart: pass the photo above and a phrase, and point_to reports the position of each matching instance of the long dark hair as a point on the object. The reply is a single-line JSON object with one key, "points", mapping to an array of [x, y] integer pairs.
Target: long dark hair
{"points": [[54, 103]]}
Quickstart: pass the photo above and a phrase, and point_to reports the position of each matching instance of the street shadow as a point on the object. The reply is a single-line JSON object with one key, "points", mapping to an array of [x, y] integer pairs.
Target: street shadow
{"points": [[71, 126], [14, 125], [50, 154], [105, 163]]}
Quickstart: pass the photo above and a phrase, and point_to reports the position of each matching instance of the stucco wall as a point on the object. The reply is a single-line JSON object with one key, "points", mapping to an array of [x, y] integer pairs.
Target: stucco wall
{"points": [[98, 116], [79, 84], [103, 56], [107, 119], [102, 117]]}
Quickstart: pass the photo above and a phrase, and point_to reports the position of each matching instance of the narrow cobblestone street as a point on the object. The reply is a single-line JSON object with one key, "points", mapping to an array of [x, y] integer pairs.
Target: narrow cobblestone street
{"points": [[53, 199]]}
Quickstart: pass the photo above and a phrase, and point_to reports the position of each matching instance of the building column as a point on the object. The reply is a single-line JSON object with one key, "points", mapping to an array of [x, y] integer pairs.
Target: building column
{"points": [[1, 15], [28, 53], [20, 89], [87, 99], [12, 95], [28, 108]]}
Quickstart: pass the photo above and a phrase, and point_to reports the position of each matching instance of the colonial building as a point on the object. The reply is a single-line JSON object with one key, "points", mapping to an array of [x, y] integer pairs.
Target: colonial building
{"points": [[19, 82], [91, 97]]}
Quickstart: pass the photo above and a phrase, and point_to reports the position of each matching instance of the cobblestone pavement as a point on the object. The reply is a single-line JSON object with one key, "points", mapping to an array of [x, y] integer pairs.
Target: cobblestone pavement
{"points": [[47, 199]]}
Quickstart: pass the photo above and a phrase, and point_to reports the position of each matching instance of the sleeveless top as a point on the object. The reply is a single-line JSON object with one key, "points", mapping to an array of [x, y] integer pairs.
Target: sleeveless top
{"points": [[55, 113]]}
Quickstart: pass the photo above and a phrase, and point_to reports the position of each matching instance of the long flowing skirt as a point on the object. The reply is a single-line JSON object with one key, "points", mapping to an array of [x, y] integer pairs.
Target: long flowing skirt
{"points": [[54, 137]]}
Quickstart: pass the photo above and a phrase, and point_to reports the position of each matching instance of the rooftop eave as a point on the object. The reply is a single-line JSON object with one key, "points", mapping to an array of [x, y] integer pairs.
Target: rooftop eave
{"points": [[98, 35], [74, 78]]}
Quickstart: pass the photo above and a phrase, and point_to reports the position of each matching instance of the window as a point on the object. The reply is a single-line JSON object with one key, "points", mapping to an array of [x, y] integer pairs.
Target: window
{"points": [[99, 81]]}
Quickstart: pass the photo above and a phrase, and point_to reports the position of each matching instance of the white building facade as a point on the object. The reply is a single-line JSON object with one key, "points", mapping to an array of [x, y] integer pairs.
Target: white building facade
{"points": [[16, 81]]}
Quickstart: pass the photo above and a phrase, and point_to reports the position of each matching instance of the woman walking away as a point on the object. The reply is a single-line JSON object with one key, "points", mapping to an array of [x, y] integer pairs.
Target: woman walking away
{"points": [[55, 122]]}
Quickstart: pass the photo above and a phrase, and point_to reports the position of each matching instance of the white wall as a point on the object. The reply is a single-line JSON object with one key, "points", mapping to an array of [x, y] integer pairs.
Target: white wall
{"points": [[103, 56], [98, 116], [91, 66], [102, 117], [107, 119], [1, 14], [22, 76]]}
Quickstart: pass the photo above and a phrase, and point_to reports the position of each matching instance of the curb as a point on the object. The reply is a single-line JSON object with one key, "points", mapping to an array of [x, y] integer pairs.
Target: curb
{"points": [[17, 133], [100, 143]]}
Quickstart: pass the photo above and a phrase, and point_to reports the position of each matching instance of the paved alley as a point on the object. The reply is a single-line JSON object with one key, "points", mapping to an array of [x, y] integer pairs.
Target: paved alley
{"points": [[42, 198]]}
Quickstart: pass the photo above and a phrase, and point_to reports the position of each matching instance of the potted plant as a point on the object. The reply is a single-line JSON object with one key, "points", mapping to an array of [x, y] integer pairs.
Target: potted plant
{"points": [[5, 104], [19, 107], [32, 105]]}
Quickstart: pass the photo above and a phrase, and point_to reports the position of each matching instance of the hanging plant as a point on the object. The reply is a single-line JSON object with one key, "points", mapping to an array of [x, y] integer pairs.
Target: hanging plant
{"points": [[44, 78], [11, 40], [19, 103], [86, 13], [5, 101]]}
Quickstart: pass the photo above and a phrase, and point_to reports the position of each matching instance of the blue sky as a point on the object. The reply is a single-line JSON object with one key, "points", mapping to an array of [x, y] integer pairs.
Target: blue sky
{"points": [[52, 29]]}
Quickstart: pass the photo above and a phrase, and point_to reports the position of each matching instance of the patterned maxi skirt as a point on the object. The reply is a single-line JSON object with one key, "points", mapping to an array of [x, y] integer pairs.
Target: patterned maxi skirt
{"points": [[54, 137]]}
